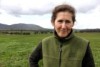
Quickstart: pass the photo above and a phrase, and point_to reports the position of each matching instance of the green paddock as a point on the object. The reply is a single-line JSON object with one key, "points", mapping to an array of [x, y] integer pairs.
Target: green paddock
{"points": [[16, 49]]}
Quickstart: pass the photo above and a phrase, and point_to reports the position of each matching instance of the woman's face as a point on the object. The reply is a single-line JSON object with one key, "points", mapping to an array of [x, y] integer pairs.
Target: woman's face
{"points": [[63, 23]]}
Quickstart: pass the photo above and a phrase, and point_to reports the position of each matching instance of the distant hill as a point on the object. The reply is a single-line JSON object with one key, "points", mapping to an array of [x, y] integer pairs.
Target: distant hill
{"points": [[20, 26]]}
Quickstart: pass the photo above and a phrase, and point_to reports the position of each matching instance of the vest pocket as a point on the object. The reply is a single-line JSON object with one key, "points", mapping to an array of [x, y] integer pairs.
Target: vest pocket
{"points": [[71, 62], [49, 61], [74, 58]]}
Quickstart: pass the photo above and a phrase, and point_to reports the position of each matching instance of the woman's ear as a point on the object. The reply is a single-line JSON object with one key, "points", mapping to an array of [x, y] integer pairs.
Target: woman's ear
{"points": [[73, 24], [52, 23]]}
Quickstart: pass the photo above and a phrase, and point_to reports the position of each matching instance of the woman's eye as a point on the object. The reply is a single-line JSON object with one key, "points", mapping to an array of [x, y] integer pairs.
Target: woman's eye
{"points": [[60, 21], [67, 21]]}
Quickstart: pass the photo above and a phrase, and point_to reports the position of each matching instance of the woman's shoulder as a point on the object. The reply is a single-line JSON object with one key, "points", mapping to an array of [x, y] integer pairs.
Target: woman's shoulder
{"points": [[47, 39], [81, 39]]}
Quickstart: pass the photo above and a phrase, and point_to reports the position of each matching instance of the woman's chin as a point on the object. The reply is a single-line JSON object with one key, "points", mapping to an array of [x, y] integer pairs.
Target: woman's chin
{"points": [[63, 35]]}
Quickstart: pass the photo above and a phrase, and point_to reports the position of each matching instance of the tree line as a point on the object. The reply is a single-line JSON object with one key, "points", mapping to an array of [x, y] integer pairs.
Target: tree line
{"points": [[25, 32], [28, 32]]}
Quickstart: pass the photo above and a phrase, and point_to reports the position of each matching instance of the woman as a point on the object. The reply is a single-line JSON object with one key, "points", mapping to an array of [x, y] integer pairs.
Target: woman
{"points": [[64, 48]]}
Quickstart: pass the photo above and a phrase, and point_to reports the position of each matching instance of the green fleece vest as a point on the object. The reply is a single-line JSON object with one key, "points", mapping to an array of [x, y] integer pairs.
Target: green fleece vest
{"points": [[73, 51]]}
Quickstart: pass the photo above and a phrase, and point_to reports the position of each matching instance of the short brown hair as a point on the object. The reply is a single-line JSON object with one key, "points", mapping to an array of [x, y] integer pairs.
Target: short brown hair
{"points": [[63, 8]]}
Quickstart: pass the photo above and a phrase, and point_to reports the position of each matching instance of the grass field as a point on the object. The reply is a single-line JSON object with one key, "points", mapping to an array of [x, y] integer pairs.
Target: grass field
{"points": [[15, 49]]}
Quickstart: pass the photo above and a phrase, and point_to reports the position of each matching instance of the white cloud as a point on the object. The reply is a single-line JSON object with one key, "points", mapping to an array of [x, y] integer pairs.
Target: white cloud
{"points": [[89, 19], [8, 19], [39, 12]]}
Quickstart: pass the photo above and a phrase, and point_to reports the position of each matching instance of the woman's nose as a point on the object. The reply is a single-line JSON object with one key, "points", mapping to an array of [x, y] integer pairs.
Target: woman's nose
{"points": [[63, 25]]}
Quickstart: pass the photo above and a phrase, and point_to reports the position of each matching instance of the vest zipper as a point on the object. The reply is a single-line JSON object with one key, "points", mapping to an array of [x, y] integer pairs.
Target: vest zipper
{"points": [[60, 51]]}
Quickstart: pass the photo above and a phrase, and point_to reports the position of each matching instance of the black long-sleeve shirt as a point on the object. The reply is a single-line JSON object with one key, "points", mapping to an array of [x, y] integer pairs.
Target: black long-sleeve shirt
{"points": [[88, 60]]}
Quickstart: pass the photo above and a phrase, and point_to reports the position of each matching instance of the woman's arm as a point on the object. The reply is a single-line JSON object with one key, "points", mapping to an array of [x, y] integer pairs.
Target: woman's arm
{"points": [[36, 56], [88, 60]]}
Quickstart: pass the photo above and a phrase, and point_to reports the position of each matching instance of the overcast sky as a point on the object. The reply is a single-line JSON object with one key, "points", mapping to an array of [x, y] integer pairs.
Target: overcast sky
{"points": [[39, 12]]}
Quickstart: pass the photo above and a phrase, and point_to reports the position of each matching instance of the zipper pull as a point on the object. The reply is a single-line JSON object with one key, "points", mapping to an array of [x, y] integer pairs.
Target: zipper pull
{"points": [[60, 48]]}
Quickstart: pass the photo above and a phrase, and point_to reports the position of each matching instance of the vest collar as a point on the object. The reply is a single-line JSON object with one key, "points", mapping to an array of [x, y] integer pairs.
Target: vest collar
{"points": [[62, 39]]}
